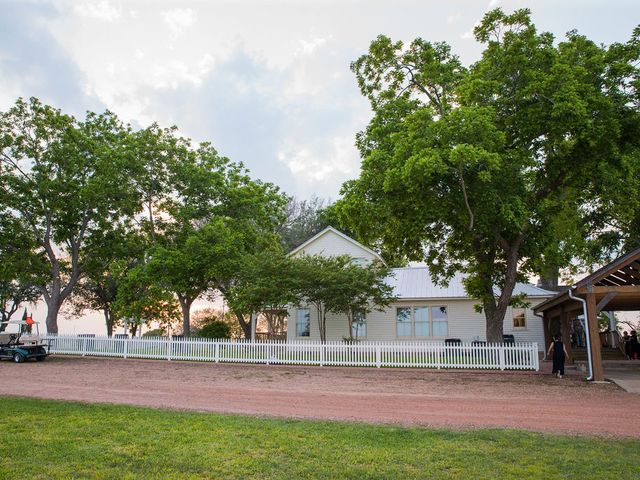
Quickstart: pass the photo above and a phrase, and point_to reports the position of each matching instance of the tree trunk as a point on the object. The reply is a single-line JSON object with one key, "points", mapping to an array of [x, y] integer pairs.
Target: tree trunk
{"points": [[350, 324], [322, 323], [549, 278], [185, 305], [496, 310], [53, 307], [246, 326], [494, 322]]}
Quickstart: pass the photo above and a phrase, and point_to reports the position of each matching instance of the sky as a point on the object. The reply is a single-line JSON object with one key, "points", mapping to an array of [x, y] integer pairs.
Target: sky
{"points": [[266, 82]]}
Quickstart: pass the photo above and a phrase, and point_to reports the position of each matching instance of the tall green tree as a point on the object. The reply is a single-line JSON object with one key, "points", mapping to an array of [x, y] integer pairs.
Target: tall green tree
{"points": [[67, 181], [201, 214], [468, 169]]}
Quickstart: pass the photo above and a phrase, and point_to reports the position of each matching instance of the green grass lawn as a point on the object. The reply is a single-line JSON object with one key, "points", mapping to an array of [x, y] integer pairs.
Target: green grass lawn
{"points": [[47, 439]]}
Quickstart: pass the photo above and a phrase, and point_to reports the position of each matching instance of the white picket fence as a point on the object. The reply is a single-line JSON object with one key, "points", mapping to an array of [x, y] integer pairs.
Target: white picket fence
{"points": [[515, 356]]}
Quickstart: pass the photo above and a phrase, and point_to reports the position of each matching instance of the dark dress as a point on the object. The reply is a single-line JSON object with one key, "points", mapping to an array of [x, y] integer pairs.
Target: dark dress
{"points": [[558, 357]]}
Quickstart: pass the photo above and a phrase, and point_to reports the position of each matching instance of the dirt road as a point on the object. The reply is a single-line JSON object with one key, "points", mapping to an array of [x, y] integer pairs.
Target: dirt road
{"points": [[395, 396]]}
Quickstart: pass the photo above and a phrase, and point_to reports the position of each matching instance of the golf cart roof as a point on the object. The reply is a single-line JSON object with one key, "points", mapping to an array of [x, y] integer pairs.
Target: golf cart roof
{"points": [[18, 322]]}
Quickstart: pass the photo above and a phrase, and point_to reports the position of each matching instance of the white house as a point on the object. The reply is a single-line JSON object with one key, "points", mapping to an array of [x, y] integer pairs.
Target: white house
{"points": [[422, 311]]}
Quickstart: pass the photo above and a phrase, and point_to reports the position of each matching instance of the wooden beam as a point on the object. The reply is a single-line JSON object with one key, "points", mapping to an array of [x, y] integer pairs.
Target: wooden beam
{"points": [[605, 300], [594, 337], [620, 289], [619, 278], [632, 272], [630, 279]]}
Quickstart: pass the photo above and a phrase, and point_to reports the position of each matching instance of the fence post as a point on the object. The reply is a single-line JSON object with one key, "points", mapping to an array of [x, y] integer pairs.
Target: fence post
{"points": [[536, 359], [378, 356], [84, 346], [439, 356], [322, 353], [126, 347], [501, 355], [217, 352], [169, 349]]}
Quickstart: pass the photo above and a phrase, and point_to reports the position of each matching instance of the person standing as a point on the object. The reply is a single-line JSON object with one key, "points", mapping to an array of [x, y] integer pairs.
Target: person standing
{"points": [[559, 356], [625, 345], [634, 347]]}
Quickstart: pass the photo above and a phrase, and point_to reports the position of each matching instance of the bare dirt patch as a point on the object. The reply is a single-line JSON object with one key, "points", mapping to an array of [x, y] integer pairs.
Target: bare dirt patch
{"points": [[461, 399]]}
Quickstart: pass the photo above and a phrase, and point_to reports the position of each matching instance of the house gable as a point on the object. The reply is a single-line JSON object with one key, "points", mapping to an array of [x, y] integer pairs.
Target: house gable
{"points": [[331, 243]]}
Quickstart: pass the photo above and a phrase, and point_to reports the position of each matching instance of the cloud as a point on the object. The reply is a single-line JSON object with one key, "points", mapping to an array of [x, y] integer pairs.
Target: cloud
{"points": [[101, 10], [469, 33], [308, 47], [33, 63], [178, 20], [318, 164]]}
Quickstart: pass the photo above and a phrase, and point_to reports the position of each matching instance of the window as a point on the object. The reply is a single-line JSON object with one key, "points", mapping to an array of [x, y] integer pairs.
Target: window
{"points": [[422, 321], [303, 322], [403, 322], [359, 325], [421, 318], [519, 318], [439, 322]]}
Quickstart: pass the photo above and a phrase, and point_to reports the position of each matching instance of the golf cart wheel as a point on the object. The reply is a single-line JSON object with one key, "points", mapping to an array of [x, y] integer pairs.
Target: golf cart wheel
{"points": [[40, 359], [18, 358]]}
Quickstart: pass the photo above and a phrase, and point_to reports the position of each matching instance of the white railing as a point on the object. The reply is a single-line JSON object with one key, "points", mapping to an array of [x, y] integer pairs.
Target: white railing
{"points": [[515, 356]]}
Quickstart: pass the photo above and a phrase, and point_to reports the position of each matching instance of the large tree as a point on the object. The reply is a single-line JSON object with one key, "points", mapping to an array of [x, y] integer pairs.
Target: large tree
{"points": [[469, 169], [201, 214], [67, 180]]}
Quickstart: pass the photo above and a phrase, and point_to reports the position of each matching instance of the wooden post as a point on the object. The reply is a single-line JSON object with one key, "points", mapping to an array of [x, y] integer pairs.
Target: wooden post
{"points": [[594, 336], [566, 336]]}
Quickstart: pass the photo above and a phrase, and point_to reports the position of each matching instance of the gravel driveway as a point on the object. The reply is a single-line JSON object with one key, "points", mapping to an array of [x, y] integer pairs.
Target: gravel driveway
{"points": [[461, 399]]}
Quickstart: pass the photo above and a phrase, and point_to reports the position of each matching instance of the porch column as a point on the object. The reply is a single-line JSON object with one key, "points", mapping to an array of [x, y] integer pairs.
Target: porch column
{"points": [[594, 335], [566, 335]]}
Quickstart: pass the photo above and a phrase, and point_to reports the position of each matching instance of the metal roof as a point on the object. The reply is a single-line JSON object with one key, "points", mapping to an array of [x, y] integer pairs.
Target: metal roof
{"points": [[415, 283]]}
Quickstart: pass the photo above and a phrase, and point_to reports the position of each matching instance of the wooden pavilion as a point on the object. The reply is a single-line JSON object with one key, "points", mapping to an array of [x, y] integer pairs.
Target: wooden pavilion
{"points": [[614, 287]]}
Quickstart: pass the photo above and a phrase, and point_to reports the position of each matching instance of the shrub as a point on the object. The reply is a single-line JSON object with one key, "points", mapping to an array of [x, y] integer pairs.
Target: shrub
{"points": [[156, 332], [215, 329]]}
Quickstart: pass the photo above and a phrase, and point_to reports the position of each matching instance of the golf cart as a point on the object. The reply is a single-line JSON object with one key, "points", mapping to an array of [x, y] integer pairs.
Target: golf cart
{"points": [[18, 343]]}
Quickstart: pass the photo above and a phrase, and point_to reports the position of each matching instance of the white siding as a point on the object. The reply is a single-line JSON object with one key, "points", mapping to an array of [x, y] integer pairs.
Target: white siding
{"points": [[330, 244], [463, 322], [533, 331]]}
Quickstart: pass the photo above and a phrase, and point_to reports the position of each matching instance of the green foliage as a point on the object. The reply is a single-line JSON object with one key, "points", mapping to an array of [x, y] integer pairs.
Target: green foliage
{"points": [[489, 170], [114, 441], [66, 181], [215, 329], [156, 332], [340, 285]]}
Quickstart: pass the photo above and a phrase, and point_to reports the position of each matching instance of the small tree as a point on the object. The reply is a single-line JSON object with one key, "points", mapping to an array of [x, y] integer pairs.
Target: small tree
{"points": [[268, 282], [339, 285], [361, 289]]}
